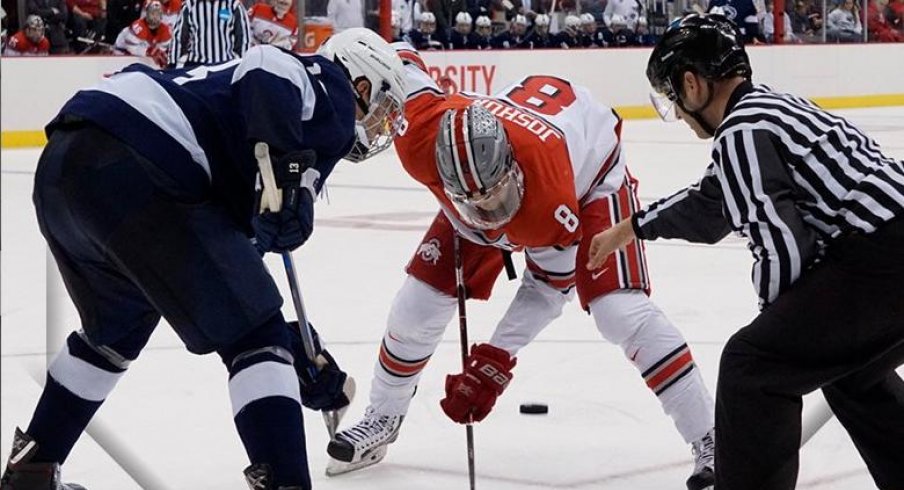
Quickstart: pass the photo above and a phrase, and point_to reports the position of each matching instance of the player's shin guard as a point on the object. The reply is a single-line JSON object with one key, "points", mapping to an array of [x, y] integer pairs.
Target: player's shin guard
{"points": [[658, 350], [416, 323], [266, 407], [78, 381]]}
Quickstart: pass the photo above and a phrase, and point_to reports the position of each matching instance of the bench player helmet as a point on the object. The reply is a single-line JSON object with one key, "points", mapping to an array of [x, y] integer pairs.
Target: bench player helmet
{"points": [[475, 163], [377, 77], [706, 44], [34, 28]]}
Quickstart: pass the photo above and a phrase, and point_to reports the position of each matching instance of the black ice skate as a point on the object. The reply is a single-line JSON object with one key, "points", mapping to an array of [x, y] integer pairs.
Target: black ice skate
{"points": [[703, 477], [22, 475], [260, 477], [364, 444]]}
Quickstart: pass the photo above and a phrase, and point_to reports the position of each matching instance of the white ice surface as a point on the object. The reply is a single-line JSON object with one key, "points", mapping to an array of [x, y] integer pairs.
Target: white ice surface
{"points": [[169, 419]]}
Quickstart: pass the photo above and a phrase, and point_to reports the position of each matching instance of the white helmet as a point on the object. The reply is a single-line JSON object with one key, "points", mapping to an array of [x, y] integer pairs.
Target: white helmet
{"points": [[587, 19], [572, 22], [463, 18], [541, 20], [483, 21], [378, 79], [428, 17], [520, 20]]}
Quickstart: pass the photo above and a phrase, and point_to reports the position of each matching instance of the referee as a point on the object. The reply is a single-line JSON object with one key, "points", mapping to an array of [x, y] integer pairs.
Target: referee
{"points": [[209, 32], [822, 209]]}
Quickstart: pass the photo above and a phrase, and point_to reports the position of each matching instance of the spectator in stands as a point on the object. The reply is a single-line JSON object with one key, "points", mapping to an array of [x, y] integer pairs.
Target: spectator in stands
{"points": [[147, 36], [87, 20], [539, 36], [629, 10], [2, 28], [570, 36], [461, 36], [445, 12], [806, 22], [483, 28], [409, 11], [30, 41], [172, 10], [55, 14], [878, 25], [396, 23], [843, 23], [274, 24], [507, 9], [121, 14], [769, 25], [746, 14], [476, 8], [895, 15], [345, 14], [426, 37], [514, 37]]}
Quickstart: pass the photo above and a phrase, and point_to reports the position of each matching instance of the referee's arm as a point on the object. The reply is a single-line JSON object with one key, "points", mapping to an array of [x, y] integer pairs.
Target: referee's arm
{"points": [[242, 28], [694, 214], [178, 34], [759, 197]]}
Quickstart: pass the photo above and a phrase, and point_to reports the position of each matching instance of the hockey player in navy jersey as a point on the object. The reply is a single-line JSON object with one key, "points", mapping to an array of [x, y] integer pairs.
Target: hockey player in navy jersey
{"points": [[146, 196]]}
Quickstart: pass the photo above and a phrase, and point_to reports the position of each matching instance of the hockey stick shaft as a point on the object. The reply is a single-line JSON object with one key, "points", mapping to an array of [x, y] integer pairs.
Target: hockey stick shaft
{"points": [[272, 200], [330, 417], [463, 337]]}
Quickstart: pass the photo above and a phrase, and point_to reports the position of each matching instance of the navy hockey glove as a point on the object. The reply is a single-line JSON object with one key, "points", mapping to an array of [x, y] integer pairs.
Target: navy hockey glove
{"points": [[323, 390], [289, 227]]}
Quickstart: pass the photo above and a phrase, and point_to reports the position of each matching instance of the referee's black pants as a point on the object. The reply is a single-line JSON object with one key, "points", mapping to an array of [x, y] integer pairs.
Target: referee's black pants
{"points": [[840, 328]]}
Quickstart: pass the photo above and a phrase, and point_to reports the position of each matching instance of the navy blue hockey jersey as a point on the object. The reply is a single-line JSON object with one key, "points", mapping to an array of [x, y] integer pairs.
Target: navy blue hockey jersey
{"points": [[200, 125]]}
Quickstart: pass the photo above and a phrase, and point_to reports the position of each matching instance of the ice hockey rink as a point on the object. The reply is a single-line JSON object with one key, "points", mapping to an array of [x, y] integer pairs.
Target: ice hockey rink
{"points": [[168, 424]]}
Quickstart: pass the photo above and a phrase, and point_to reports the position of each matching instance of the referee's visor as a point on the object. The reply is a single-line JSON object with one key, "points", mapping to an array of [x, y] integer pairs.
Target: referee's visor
{"points": [[664, 105]]}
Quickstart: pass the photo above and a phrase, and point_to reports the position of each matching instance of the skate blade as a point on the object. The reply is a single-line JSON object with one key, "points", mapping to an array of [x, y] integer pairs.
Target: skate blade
{"points": [[336, 467]]}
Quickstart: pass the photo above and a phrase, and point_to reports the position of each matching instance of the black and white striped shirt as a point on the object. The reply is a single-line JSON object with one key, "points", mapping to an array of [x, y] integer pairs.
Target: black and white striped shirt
{"points": [[789, 177], [214, 31]]}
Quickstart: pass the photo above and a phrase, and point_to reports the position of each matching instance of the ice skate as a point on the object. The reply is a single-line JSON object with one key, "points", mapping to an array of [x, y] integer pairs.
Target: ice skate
{"points": [[364, 444], [703, 477], [22, 475], [260, 477]]}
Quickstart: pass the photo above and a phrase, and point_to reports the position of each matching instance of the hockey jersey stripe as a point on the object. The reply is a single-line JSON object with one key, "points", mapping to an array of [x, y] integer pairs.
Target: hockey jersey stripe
{"points": [[154, 103], [279, 63]]}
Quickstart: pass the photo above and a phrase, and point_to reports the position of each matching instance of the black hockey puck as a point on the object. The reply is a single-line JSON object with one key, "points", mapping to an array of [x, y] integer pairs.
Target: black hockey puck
{"points": [[534, 408]]}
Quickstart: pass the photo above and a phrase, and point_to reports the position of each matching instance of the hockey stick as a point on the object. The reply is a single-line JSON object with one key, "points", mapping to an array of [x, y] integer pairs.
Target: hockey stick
{"points": [[270, 199], [463, 336]]}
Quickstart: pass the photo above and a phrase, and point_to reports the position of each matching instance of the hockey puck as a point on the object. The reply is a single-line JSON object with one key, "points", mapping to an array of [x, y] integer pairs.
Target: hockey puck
{"points": [[534, 408]]}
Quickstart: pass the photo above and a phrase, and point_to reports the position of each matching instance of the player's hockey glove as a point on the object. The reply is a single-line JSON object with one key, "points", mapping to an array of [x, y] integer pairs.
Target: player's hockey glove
{"points": [[471, 395], [290, 226], [323, 390]]}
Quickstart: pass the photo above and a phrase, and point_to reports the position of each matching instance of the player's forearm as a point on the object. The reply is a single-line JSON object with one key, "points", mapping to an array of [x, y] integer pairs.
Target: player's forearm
{"points": [[534, 307]]}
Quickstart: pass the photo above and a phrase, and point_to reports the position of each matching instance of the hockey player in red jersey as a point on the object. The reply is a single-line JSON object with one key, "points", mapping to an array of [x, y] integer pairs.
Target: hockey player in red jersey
{"points": [[520, 171], [148, 36], [30, 41], [273, 24]]}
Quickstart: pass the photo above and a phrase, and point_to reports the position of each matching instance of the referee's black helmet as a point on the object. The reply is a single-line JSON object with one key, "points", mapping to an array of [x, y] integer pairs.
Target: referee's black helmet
{"points": [[709, 45]]}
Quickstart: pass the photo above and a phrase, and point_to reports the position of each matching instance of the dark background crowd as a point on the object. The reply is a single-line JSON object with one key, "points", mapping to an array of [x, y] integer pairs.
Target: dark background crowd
{"points": [[39, 27]]}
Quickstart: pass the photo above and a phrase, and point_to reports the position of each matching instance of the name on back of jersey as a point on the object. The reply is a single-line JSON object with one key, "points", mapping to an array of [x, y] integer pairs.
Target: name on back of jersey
{"points": [[540, 127]]}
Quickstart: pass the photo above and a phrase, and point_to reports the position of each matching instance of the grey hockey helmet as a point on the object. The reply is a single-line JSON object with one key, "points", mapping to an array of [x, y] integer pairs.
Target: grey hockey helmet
{"points": [[475, 163]]}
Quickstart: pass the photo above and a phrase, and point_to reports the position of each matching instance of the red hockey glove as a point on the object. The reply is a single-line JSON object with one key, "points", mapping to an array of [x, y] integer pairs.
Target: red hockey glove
{"points": [[158, 56], [471, 395]]}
